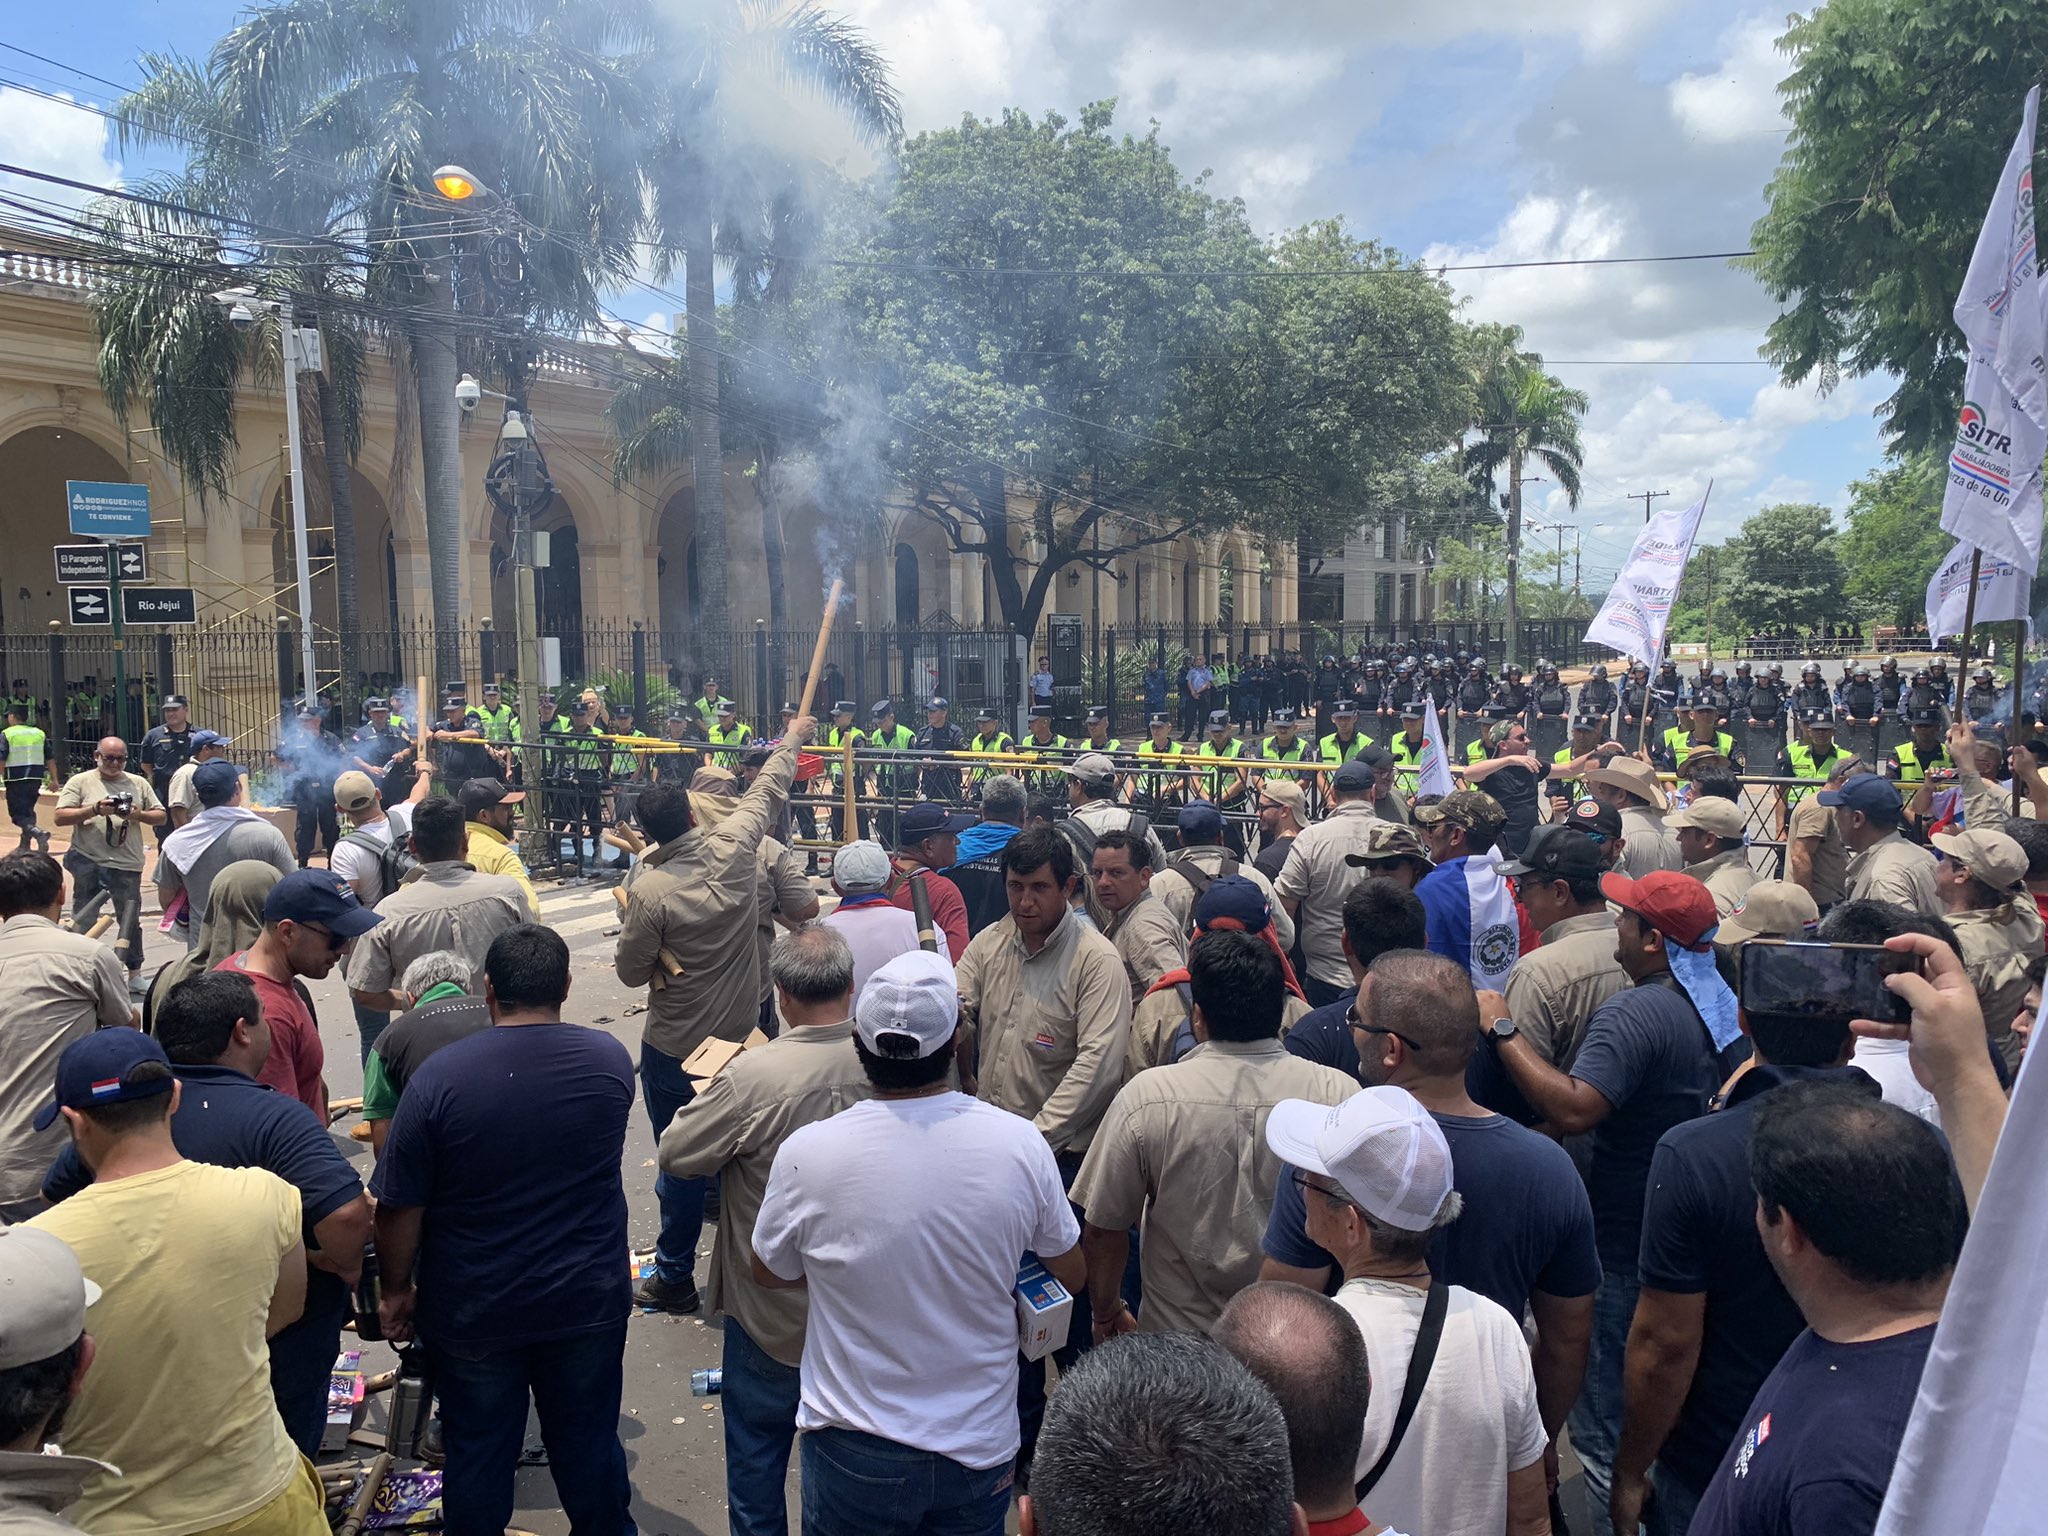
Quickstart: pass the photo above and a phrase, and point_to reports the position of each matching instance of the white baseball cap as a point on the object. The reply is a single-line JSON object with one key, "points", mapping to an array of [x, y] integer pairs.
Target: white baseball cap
{"points": [[1381, 1147], [911, 998], [860, 867]]}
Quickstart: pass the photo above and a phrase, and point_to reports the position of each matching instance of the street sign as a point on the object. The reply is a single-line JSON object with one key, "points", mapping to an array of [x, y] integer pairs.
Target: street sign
{"points": [[134, 560], [84, 565], [108, 509], [90, 605], [159, 605]]}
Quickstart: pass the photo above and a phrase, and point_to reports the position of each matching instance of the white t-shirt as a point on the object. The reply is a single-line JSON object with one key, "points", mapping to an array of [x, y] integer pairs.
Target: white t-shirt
{"points": [[908, 1219], [1889, 1063], [357, 865], [1477, 1419], [877, 932]]}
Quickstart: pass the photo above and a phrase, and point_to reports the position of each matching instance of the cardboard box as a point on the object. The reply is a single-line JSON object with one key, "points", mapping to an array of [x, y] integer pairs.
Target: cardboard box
{"points": [[1045, 1310], [345, 1396], [713, 1056]]}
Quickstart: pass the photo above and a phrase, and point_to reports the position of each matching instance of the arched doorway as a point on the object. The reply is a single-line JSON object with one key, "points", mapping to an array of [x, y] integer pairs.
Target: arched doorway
{"points": [[907, 604], [33, 467]]}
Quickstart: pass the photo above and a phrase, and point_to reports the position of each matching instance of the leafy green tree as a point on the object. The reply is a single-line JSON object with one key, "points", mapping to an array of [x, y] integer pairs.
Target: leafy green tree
{"points": [[1894, 539], [1785, 566], [1902, 112]]}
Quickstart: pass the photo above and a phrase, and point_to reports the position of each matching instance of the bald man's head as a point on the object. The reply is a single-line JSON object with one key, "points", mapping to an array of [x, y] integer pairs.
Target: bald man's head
{"points": [[112, 756], [1308, 1352]]}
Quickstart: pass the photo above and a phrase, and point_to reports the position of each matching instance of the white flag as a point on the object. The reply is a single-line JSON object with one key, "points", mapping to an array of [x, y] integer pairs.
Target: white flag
{"points": [[1638, 610], [1433, 768], [1993, 497], [2002, 589]]}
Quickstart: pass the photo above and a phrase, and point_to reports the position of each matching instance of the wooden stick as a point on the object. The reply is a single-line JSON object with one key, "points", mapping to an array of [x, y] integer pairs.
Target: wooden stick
{"points": [[373, 1480], [420, 703], [669, 962], [803, 707], [106, 921]]}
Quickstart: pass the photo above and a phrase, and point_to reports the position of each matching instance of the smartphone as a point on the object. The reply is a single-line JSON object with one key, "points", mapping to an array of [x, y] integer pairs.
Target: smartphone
{"points": [[1824, 981]]}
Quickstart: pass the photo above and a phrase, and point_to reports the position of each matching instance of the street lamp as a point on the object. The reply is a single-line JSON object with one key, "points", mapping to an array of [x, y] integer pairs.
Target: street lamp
{"points": [[459, 186], [300, 349]]}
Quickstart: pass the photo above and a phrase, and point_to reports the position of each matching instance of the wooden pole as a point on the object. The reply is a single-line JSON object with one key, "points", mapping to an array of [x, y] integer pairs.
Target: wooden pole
{"points": [[803, 706], [2019, 679], [1970, 615]]}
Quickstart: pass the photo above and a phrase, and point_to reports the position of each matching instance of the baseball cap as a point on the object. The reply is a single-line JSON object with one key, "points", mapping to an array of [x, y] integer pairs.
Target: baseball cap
{"points": [[1233, 902], [1595, 818], [1676, 905], [43, 1296], [481, 794], [1866, 792], [1199, 819], [209, 739], [927, 819], [1473, 809], [1386, 841], [1633, 775], [1770, 909], [1557, 852], [861, 867], [1996, 858], [1286, 792], [1091, 768], [215, 782], [174, 701], [938, 702], [353, 791], [1355, 777], [1709, 813], [909, 1008], [1381, 1147], [99, 1068], [319, 896]]}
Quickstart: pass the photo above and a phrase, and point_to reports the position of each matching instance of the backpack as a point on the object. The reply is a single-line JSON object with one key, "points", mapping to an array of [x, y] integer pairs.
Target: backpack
{"points": [[1082, 836], [1184, 865], [394, 861]]}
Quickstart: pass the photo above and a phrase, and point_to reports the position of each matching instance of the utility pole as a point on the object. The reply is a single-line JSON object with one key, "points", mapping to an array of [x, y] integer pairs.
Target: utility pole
{"points": [[1646, 497], [1514, 541]]}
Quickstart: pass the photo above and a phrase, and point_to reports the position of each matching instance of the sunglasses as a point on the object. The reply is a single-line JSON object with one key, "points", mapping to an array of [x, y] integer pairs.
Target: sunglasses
{"points": [[113, 757], [335, 942]]}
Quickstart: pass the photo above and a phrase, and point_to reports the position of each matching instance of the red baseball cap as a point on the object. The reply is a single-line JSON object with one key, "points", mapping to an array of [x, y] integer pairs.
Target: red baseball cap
{"points": [[1676, 905]]}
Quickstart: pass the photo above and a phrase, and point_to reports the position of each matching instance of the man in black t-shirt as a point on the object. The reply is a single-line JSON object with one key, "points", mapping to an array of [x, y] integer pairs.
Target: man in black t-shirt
{"points": [[1862, 1217]]}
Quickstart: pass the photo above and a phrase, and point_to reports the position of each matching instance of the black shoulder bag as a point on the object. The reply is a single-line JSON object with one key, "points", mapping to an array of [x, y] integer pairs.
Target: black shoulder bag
{"points": [[1426, 1340]]}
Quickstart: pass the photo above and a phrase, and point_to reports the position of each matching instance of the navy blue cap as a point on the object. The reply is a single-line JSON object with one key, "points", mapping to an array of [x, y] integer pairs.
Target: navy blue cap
{"points": [[876, 710], [1926, 714], [1219, 719], [1097, 712], [215, 782], [1041, 712], [1866, 792], [1159, 719], [926, 819], [842, 706], [1354, 777], [1199, 819], [1414, 709], [938, 702], [1285, 717], [209, 739], [1344, 707], [318, 896], [986, 712], [580, 707], [99, 1068]]}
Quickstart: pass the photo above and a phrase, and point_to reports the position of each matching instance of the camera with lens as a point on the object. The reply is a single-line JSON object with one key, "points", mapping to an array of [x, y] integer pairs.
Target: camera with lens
{"points": [[123, 803]]}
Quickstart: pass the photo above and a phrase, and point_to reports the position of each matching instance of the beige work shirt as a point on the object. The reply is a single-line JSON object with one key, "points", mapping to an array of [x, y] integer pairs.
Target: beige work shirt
{"points": [[1997, 944], [1150, 940], [732, 1130], [1158, 1017], [1646, 844], [1897, 871], [1185, 1147], [1814, 824], [60, 987], [1555, 988], [1727, 876], [785, 888], [447, 905], [1177, 892], [1317, 876], [699, 897], [108, 841], [1051, 1028]]}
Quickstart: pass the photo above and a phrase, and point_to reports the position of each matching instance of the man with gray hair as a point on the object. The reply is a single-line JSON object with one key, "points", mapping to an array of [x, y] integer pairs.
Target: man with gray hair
{"points": [[979, 869], [442, 1010], [1158, 1434], [1308, 1352], [731, 1131]]}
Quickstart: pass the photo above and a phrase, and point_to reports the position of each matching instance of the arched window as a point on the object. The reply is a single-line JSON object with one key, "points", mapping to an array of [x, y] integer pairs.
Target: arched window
{"points": [[907, 605]]}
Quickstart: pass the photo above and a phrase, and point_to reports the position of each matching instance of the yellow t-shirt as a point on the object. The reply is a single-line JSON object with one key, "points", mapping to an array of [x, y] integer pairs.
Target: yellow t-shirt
{"points": [[178, 1396], [487, 849]]}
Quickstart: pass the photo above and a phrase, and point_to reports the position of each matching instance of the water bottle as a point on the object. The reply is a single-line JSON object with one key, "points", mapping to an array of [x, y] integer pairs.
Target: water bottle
{"points": [[368, 1296], [408, 1405], [707, 1383]]}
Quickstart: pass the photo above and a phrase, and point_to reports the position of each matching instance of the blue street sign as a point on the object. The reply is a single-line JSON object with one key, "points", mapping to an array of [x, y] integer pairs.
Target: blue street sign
{"points": [[108, 509]]}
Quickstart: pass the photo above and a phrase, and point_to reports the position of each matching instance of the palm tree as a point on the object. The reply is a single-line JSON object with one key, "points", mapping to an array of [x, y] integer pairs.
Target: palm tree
{"points": [[707, 174], [528, 94], [1523, 413]]}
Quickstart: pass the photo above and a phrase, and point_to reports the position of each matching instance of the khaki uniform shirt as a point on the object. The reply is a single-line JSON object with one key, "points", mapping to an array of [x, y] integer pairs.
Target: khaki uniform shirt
{"points": [[784, 886], [1727, 876], [1814, 823], [1158, 1017], [1177, 892], [699, 897], [1317, 876], [1052, 1028], [1897, 871], [99, 838], [59, 988], [732, 1130], [35, 1489], [1997, 944], [1647, 846], [1555, 988], [1150, 941], [447, 905], [1185, 1147]]}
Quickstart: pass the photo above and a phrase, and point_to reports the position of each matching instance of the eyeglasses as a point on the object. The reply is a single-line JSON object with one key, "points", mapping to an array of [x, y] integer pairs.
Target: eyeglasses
{"points": [[113, 757], [1378, 1029], [1303, 1181], [335, 942]]}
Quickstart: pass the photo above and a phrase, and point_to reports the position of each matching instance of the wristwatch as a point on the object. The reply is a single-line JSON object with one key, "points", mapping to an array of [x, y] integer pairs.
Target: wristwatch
{"points": [[1501, 1029]]}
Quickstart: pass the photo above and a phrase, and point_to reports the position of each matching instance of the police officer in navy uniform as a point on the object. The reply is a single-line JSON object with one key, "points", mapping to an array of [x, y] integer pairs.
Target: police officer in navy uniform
{"points": [[941, 781], [165, 749]]}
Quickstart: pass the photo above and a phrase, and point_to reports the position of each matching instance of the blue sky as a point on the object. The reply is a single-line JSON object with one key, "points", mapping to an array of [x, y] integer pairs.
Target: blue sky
{"points": [[1489, 130]]}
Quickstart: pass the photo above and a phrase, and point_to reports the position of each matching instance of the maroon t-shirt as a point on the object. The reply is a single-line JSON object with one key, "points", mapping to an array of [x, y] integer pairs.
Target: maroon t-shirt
{"points": [[297, 1058], [949, 907]]}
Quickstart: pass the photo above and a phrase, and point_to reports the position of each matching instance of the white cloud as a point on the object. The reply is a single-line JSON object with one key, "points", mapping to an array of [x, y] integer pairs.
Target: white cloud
{"points": [[1162, 79], [1738, 98], [57, 137]]}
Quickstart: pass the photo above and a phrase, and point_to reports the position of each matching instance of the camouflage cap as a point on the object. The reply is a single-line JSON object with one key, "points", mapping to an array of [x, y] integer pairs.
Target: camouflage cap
{"points": [[1470, 808], [1386, 841]]}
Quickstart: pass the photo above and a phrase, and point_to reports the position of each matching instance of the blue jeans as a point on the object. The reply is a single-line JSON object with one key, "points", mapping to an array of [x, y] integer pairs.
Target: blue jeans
{"points": [[759, 1397], [666, 1088], [370, 1024], [575, 1384], [861, 1485], [1595, 1420]]}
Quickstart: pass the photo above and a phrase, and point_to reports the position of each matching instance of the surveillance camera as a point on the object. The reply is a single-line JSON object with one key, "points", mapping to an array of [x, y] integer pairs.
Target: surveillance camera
{"points": [[468, 392], [242, 317]]}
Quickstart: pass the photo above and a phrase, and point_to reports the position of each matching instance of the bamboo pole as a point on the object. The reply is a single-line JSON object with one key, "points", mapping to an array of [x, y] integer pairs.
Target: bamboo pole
{"points": [[803, 707]]}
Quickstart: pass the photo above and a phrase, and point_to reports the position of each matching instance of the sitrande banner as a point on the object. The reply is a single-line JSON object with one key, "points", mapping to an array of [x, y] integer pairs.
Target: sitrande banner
{"points": [[1993, 496], [2002, 589], [1638, 611]]}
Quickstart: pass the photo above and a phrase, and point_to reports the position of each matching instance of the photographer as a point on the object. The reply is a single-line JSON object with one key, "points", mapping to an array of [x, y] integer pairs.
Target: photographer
{"points": [[103, 806]]}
